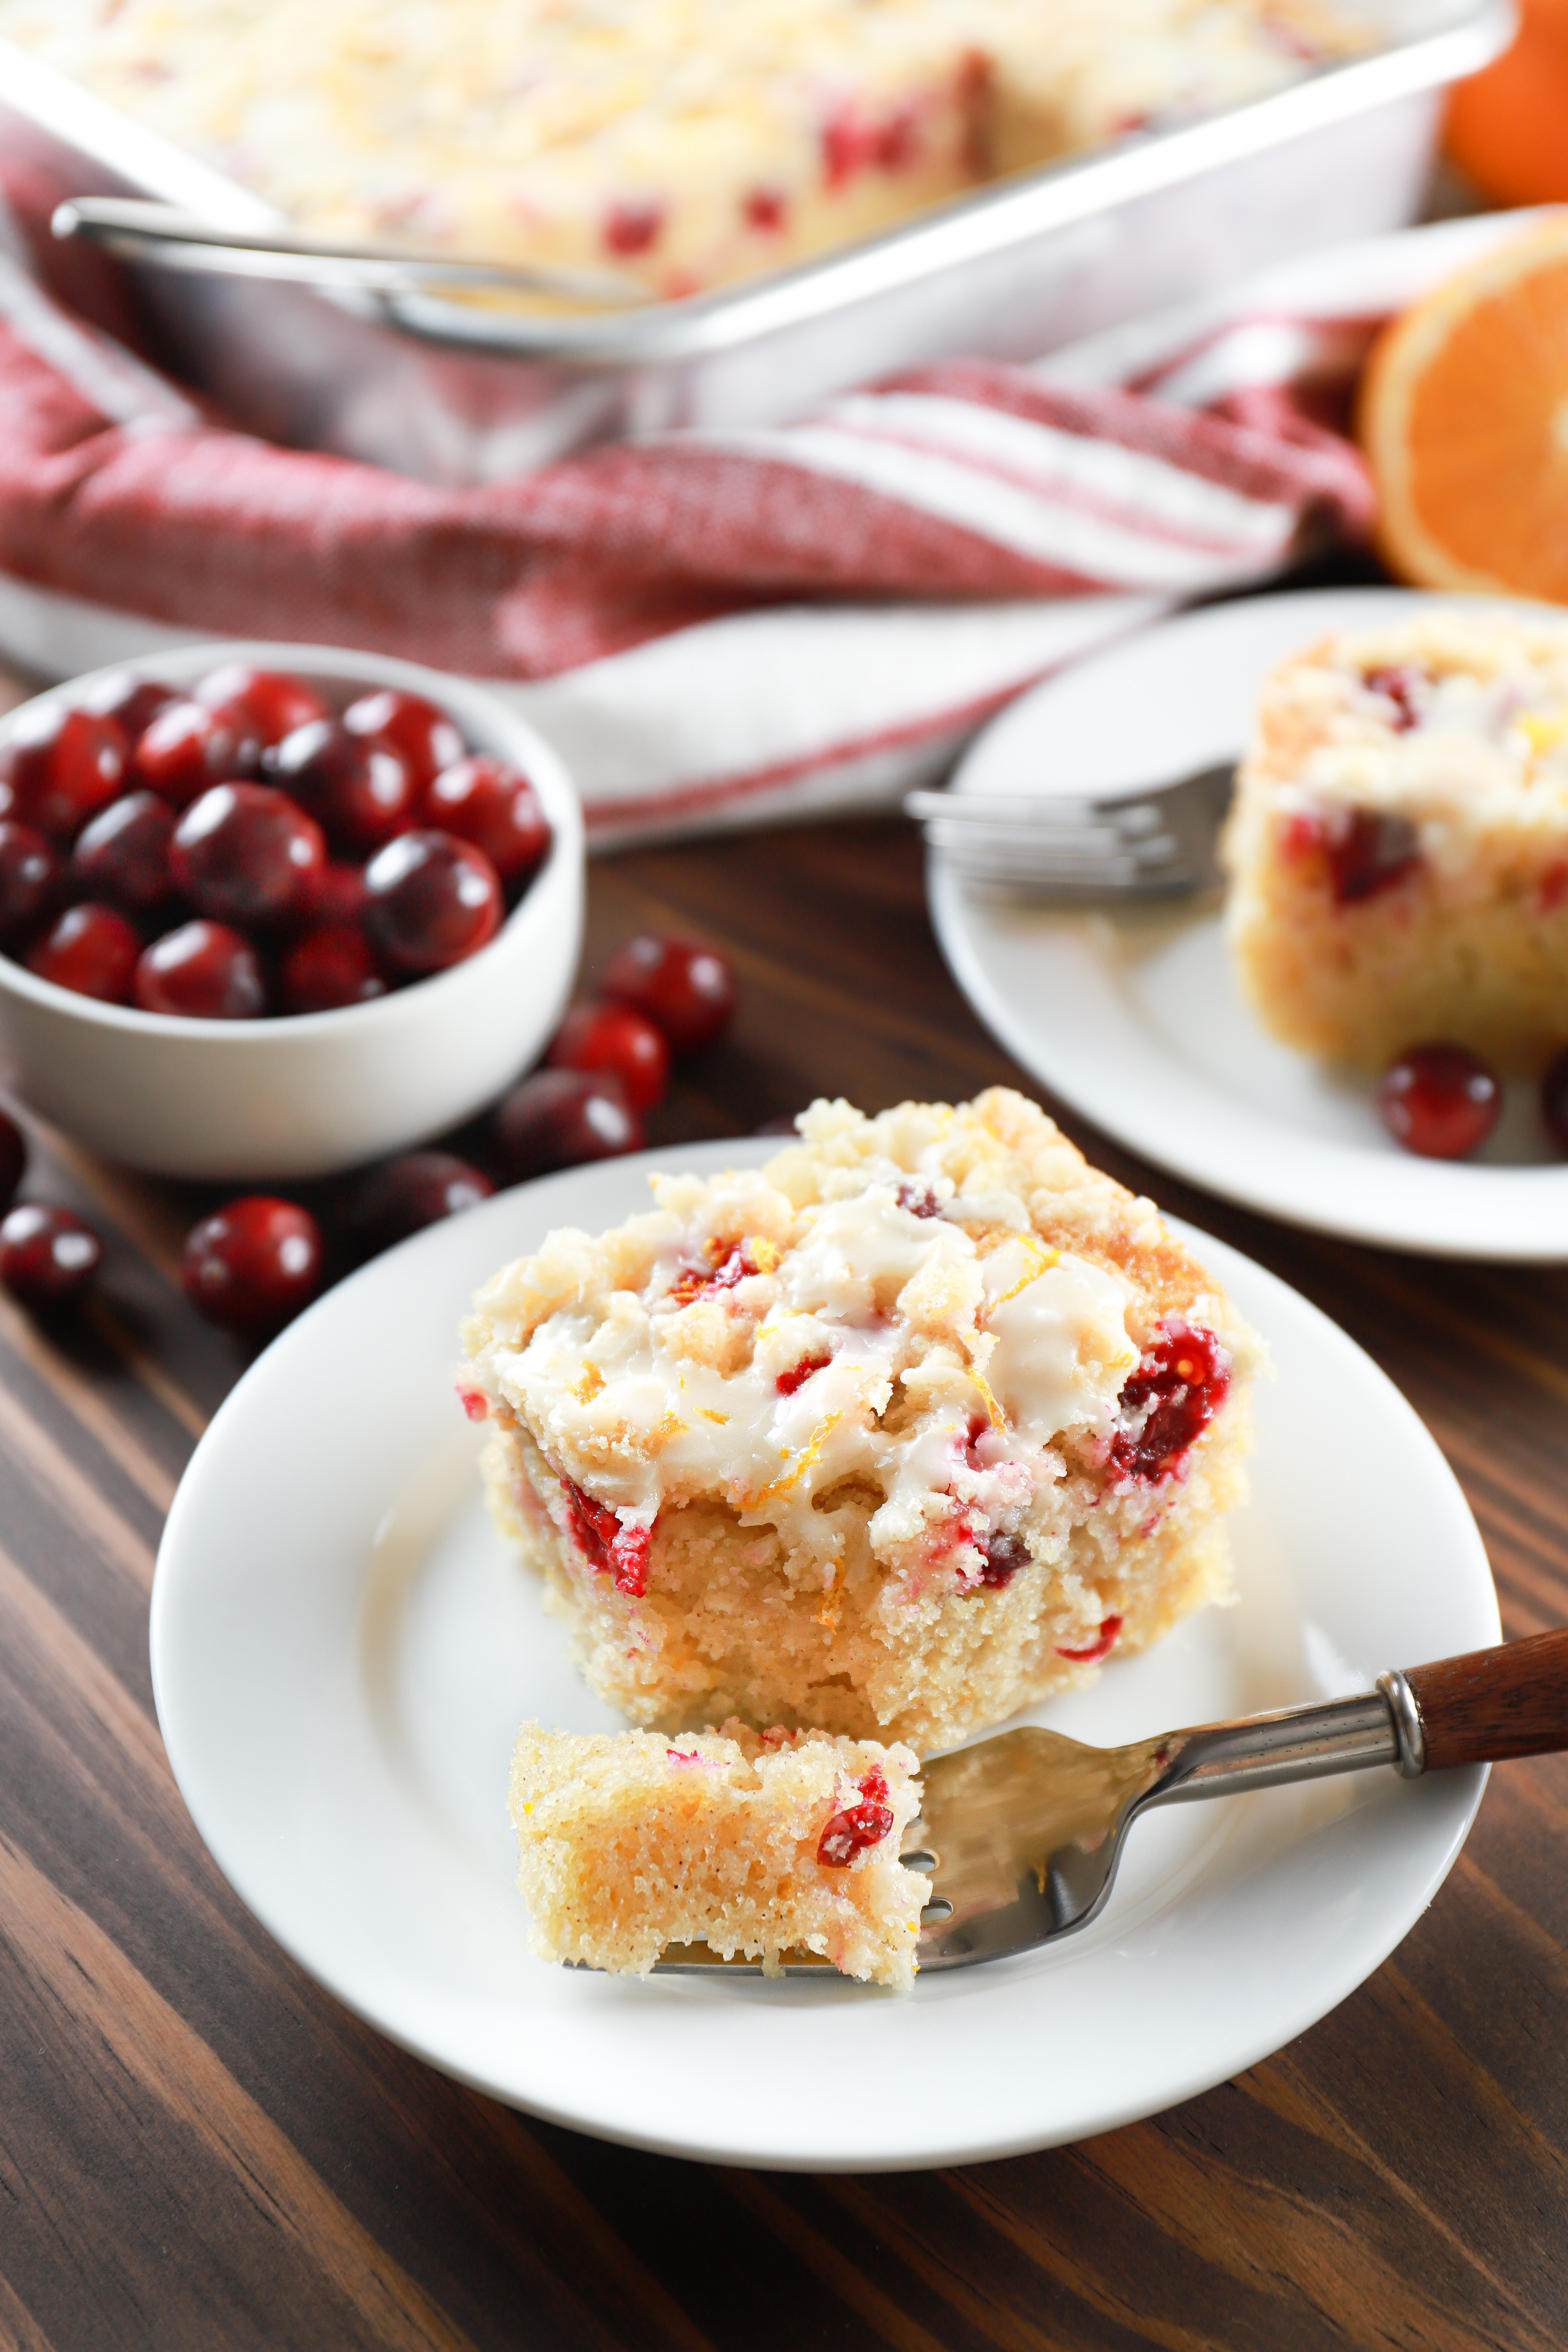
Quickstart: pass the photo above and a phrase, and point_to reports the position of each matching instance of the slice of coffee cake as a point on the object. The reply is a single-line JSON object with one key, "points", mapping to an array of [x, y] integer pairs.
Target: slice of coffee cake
{"points": [[891, 1437], [752, 1843]]}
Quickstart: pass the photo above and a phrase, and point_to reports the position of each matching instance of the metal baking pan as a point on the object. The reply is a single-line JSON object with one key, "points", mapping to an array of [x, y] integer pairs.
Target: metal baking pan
{"points": [[455, 394]]}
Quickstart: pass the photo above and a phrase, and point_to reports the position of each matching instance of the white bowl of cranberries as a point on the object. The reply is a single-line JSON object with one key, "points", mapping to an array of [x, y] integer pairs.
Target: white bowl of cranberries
{"points": [[277, 909]]}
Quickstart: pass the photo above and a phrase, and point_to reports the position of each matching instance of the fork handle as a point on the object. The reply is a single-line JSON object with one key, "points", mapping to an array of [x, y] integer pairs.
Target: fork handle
{"points": [[1492, 1705]]}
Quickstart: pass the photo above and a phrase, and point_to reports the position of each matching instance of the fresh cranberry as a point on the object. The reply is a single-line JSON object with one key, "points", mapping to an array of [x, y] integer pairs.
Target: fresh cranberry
{"points": [[1005, 1556], [860, 1825], [59, 766], [608, 1547], [1368, 850], [265, 703], [429, 901], [1400, 686], [31, 875], [684, 988], [1180, 1384], [614, 1038], [360, 791], [124, 855], [494, 806], [252, 1264], [420, 732], [414, 1191], [92, 950], [1440, 1101], [188, 747], [798, 1374], [13, 1158], [130, 701], [559, 1118], [1100, 1647], [245, 853], [1554, 1101], [48, 1255], [205, 972], [336, 894], [332, 966], [633, 227]]}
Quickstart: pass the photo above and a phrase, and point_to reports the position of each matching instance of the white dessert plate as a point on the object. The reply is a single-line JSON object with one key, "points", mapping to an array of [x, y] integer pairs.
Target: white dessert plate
{"points": [[342, 1651], [1132, 1015]]}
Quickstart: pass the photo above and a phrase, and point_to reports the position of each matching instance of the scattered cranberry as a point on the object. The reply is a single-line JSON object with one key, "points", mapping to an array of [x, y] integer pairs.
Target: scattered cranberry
{"points": [[13, 1158], [1554, 1101], [798, 1374], [1368, 851], [60, 765], [188, 747], [1100, 1647], [130, 701], [265, 703], [1180, 1384], [633, 227], [430, 900], [494, 806], [1400, 687], [410, 1193], [1440, 1101], [765, 210], [360, 791], [919, 1198], [92, 950], [252, 1264], [860, 1825], [122, 856], [609, 1549], [332, 966], [421, 734], [48, 1255], [1005, 1556], [559, 1118], [31, 875], [725, 1269], [245, 853], [615, 1037], [684, 988], [203, 971]]}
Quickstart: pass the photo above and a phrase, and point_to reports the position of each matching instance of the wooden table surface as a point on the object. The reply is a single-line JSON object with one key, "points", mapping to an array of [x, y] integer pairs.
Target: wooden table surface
{"points": [[199, 2148]]}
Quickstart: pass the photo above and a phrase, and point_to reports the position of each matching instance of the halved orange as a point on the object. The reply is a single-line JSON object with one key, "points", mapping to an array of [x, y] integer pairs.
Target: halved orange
{"points": [[1464, 418]]}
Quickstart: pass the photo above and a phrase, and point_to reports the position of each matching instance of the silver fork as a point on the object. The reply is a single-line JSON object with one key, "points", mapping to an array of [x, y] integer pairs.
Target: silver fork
{"points": [[1133, 845], [1022, 1833]]}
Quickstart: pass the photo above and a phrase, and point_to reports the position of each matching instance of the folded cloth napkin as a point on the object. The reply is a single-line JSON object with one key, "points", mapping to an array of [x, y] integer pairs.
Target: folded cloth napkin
{"points": [[718, 627]]}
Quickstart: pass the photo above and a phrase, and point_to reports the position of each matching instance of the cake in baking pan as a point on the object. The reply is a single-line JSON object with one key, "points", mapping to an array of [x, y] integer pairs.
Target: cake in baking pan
{"points": [[889, 1438], [758, 1845], [1398, 848], [687, 142]]}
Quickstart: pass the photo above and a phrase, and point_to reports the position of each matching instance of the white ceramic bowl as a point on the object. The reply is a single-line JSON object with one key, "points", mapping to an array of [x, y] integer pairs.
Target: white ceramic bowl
{"points": [[306, 1095]]}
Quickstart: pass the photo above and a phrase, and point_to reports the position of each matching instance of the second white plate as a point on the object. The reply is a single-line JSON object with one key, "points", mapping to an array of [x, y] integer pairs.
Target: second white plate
{"points": [[343, 1650], [1132, 1015]]}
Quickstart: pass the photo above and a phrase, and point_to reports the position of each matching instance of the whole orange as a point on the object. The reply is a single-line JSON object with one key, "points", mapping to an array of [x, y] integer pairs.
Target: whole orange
{"points": [[1508, 126]]}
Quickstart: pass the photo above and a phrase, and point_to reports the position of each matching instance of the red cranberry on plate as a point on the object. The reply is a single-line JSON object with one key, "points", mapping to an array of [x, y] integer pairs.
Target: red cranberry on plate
{"points": [[557, 1118], [360, 791], [59, 766], [31, 873], [188, 747], [430, 900], [265, 703], [420, 732], [408, 1193], [252, 1264], [1554, 1101], [330, 967], [684, 988], [1440, 1101], [245, 853], [48, 1255], [615, 1037], [90, 948], [203, 971], [495, 807], [122, 856], [13, 1158], [130, 701]]}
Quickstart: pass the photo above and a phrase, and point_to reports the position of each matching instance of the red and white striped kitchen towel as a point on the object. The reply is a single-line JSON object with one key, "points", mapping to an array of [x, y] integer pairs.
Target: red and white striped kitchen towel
{"points": [[719, 627]]}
